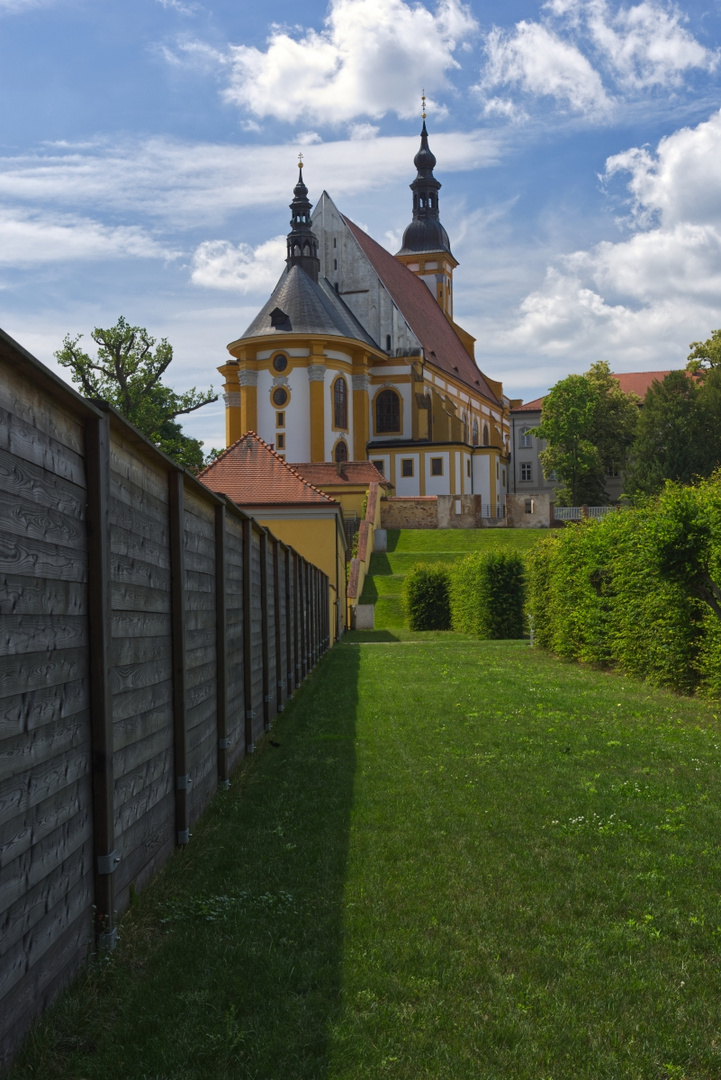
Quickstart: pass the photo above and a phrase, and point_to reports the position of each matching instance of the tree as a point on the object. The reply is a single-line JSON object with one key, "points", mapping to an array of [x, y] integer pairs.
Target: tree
{"points": [[588, 424], [679, 431], [705, 354], [127, 374]]}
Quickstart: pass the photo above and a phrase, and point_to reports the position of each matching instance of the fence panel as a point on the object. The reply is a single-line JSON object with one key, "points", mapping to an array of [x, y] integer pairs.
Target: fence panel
{"points": [[46, 880], [234, 556]]}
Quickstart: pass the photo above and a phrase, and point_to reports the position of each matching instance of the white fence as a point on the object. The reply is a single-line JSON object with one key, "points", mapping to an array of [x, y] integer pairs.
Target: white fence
{"points": [[577, 513]]}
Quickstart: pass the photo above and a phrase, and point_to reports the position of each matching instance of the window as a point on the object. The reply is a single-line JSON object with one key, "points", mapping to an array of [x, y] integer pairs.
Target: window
{"points": [[388, 343], [341, 451], [475, 432], [526, 471], [280, 419], [529, 506], [407, 467], [436, 466], [280, 362], [468, 467], [280, 439], [380, 466], [486, 436], [504, 477], [388, 412], [526, 437], [340, 404], [280, 396], [335, 264]]}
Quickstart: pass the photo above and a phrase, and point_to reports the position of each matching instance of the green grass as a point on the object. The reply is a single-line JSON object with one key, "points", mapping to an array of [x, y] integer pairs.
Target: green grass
{"points": [[465, 861], [407, 547]]}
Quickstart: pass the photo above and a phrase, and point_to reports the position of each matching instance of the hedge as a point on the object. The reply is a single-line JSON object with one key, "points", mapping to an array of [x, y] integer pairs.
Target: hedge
{"points": [[487, 591], [425, 598], [636, 590]]}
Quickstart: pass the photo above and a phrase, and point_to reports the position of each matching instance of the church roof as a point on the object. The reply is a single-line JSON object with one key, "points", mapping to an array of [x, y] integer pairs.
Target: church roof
{"points": [[412, 297], [251, 474], [330, 473], [300, 305]]}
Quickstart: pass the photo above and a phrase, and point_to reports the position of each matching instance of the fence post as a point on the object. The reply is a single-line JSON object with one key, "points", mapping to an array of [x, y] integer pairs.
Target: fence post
{"points": [[248, 634], [97, 454], [289, 624], [220, 639], [177, 607], [279, 681], [265, 637]]}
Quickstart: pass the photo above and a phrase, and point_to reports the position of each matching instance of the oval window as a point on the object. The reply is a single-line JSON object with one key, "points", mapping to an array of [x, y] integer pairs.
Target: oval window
{"points": [[280, 362], [280, 396]]}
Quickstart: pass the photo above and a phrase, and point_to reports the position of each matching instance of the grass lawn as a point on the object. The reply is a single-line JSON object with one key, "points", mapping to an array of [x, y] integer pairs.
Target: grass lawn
{"points": [[464, 860], [407, 547]]}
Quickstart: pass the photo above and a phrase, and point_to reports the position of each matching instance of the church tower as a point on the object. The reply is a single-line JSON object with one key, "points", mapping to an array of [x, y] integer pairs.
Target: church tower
{"points": [[426, 249], [302, 241]]}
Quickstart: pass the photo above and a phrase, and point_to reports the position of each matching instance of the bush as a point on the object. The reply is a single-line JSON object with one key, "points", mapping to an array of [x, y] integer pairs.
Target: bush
{"points": [[487, 592], [425, 598], [638, 590]]}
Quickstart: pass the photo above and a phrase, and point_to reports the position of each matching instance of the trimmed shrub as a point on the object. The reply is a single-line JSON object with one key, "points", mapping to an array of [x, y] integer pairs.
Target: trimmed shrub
{"points": [[487, 592], [425, 598]]}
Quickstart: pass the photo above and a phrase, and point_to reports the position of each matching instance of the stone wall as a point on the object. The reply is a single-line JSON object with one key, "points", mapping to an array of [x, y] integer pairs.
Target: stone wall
{"points": [[529, 511], [410, 512]]}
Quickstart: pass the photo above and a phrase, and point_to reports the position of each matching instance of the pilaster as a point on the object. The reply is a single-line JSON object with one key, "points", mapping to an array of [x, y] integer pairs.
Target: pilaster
{"points": [[248, 381], [316, 378], [231, 396], [361, 432]]}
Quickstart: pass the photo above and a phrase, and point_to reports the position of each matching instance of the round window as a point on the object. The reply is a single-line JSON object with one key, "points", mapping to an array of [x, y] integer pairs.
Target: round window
{"points": [[280, 396], [280, 362]]}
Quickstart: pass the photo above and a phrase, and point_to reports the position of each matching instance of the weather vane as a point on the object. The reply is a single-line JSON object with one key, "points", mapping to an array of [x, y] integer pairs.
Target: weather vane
{"points": [[423, 104]]}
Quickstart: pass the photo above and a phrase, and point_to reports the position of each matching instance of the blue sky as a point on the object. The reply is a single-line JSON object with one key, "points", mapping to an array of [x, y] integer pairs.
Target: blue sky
{"points": [[148, 149]]}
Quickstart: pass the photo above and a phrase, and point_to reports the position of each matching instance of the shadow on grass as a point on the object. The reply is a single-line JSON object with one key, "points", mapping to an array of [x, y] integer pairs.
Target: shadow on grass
{"points": [[230, 964], [358, 637]]}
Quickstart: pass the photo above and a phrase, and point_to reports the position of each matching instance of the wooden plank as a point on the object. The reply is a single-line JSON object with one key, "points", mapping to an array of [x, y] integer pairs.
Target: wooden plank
{"points": [[138, 791], [36, 747], [140, 726], [129, 757], [221, 685], [127, 596], [139, 548], [18, 833], [19, 793], [140, 470], [132, 517], [156, 696], [247, 631], [136, 650], [28, 673], [139, 572], [127, 494], [150, 840], [25, 712], [134, 676], [39, 559], [176, 490], [37, 487], [21, 518], [147, 624], [30, 444], [36, 596], [31, 405], [23, 635]]}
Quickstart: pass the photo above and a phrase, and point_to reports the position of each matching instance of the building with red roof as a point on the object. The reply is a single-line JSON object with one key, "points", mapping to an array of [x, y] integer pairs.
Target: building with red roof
{"points": [[356, 356]]}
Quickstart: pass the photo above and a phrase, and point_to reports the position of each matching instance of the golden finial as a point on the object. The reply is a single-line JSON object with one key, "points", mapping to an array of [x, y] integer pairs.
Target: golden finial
{"points": [[300, 161], [423, 104]]}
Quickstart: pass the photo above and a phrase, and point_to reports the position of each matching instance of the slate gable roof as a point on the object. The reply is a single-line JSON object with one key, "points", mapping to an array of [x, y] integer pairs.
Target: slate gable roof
{"points": [[251, 473], [310, 308], [419, 308]]}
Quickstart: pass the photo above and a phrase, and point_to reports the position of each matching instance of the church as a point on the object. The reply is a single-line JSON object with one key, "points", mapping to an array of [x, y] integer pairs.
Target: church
{"points": [[356, 356]]}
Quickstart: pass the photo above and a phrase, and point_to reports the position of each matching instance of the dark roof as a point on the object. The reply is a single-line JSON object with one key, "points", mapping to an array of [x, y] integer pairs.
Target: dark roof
{"points": [[309, 307], [251, 474], [441, 344]]}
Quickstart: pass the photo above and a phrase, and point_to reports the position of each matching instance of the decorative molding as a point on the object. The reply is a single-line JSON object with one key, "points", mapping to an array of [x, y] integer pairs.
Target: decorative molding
{"points": [[361, 382], [232, 400], [281, 380], [316, 372], [248, 377]]}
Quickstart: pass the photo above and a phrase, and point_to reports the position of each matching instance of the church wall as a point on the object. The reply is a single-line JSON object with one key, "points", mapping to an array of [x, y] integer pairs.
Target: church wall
{"points": [[438, 485], [482, 477], [297, 427]]}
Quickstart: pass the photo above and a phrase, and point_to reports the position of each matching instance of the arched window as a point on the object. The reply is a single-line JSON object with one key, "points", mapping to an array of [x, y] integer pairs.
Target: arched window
{"points": [[388, 412], [475, 432], [340, 404], [486, 436], [341, 450]]}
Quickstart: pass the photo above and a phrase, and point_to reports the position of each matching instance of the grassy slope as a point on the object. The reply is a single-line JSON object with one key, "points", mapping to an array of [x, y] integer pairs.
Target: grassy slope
{"points": [[408, 547], [464, 860]]}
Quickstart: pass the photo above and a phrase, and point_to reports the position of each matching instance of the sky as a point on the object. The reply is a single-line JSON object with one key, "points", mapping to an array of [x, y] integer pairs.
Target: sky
{"points": [[148, 153]]}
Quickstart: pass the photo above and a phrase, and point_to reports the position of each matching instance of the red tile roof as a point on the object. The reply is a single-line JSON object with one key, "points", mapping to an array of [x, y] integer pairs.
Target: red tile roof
{"points": [[631, 382], [441, 344], [251, 474], [327, 473]]}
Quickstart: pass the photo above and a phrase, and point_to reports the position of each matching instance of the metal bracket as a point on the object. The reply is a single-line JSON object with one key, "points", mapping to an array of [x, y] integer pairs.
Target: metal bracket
{"points": [[266, 699], [108, 941], [183, 836], [250, 715], [183, 782], [224, 744], [250, 748], [107, 863]]}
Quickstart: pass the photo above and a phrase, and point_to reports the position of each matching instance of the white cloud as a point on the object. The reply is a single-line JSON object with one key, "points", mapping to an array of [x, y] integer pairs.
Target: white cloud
{"points": [[218, 264], [31, 239], [181, 7], [639, 301], [535, 60], [588, 55], [369, 59], [363, 131], [19, 7], [180, 182]]}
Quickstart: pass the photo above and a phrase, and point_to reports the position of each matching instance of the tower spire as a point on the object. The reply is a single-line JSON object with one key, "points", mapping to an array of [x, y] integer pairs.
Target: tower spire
{"points": [[302, 241]]}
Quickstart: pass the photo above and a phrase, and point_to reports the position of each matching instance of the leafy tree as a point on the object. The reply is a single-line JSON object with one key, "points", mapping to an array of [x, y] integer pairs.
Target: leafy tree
{"points": [[679, 431], [127, 373], [588, 424], [705, 354]]}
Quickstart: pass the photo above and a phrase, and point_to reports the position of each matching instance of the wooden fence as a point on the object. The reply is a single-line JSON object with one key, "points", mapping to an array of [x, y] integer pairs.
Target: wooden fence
{"points": [[149, 632]]}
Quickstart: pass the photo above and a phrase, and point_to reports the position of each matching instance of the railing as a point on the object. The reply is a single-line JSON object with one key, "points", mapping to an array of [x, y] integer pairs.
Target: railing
{"points": [[493, 513], [578, 513]]}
